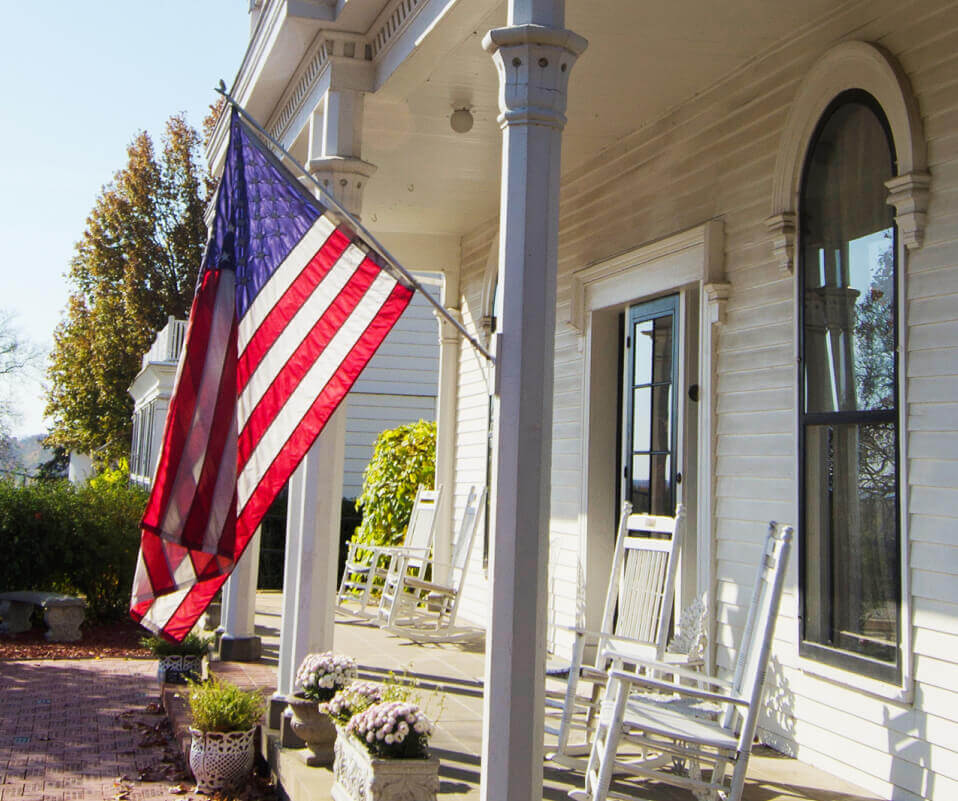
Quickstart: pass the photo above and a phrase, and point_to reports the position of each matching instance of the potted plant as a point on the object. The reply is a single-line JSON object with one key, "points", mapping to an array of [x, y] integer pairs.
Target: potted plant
{"points": [[319, 678], [178, 661], [385, 755], [224, 720]]}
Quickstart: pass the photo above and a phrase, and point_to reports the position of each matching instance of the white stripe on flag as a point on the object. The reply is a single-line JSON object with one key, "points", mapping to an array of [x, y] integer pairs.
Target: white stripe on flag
{"points": [[282, 278], [163, 608], [194, 450], [222, 492], [302, 398], [323, 296]]}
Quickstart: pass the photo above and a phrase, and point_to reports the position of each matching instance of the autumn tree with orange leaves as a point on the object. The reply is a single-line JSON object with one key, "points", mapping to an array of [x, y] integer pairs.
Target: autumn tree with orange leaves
{"points": [[135, 264]]}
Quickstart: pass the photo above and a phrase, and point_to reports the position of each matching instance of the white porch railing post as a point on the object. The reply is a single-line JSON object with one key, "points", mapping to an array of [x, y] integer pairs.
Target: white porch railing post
{"points": [[534, 56], [239, 642]]}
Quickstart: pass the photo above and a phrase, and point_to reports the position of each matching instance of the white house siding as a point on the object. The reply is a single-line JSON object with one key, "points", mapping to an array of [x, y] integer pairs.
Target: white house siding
{"points": [[714, 157], [398, 386]]}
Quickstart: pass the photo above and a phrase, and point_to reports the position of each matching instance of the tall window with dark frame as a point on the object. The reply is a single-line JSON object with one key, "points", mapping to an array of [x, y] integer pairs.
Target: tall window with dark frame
{"points": [[848, 387]]}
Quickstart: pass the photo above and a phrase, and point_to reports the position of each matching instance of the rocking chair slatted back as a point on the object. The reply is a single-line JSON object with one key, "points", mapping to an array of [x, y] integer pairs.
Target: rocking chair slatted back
{"points": [[642, 580], [462, 547], [752, 662]]}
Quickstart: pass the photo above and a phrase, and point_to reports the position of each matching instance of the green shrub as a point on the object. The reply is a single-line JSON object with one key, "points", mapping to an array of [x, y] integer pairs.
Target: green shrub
{"points": [[403, 458], [217, 705], [81, 541], [192, 645]]}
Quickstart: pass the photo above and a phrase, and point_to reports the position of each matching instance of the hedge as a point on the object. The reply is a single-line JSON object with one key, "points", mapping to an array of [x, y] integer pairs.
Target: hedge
{"points": [[77, 540]]}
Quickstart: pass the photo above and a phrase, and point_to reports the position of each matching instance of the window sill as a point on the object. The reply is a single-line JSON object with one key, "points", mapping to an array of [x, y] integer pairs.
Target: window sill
{"points": [[897, 693]]}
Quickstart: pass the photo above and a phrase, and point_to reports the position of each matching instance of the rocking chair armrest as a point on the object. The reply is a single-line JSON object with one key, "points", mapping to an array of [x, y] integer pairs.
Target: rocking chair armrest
{"points": [[581, 633], [422, 584], [402, 550], [677, 689], [647, 667]]}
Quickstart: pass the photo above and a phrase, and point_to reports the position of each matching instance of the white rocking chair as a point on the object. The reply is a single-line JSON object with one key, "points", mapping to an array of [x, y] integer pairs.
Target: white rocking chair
{"points": [[426, 610], [671, 733], [365, 562], [636, 617]]}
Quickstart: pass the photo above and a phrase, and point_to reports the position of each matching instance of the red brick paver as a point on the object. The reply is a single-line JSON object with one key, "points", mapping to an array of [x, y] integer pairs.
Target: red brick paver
{"points": [[79, 729]]}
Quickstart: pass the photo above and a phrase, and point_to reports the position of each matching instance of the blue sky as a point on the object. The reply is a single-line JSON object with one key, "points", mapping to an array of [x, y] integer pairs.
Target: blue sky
{"points": [[79, 81]]}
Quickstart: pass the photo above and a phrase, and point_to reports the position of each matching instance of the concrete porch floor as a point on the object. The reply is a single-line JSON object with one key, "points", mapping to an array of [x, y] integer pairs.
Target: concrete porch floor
{"points": [[456, 671]]}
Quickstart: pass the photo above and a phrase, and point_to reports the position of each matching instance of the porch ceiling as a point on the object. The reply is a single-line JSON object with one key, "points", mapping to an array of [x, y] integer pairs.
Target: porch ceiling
{"points": [[643, 59]]}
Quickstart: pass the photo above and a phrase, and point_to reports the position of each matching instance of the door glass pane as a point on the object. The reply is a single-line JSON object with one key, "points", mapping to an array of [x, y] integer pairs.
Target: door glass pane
{"points": [[641, 479], [662, 417], [642, 419], [662, 366], [851, 538], [642, 334]]}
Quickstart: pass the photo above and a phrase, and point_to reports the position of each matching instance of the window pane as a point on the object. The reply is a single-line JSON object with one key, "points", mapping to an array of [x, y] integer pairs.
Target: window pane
{"points": [[849, 267], [662, 417], [851, 539]]}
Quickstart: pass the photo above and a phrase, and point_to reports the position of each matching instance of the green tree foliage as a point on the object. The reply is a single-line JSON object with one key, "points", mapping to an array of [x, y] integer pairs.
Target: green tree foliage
{"points": [[81, 541], [135, 265], [403, 458]]}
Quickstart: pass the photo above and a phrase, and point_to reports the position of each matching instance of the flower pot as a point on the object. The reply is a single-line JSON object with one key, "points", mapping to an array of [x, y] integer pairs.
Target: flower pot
{"points": [[363, 777], [314, 728], [221, 760], [177, 669]]}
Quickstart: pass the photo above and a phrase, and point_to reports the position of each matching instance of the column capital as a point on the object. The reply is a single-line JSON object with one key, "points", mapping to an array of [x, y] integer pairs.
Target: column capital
{"points": [[448, 333], [534, 62], [344, 177]]}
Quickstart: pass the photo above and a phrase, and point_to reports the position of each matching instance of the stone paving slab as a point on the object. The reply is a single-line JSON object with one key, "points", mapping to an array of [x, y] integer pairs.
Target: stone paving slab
{"points": [[79, 730]]}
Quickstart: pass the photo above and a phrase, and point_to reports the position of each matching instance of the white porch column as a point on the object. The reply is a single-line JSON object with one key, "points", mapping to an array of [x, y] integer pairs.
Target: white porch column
{"points": [[316, 488], [239, 642], [446, 423], [534, 55]]}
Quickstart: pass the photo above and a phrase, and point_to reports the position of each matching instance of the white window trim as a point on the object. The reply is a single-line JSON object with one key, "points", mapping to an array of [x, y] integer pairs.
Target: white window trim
{"points": [[861, 65]]}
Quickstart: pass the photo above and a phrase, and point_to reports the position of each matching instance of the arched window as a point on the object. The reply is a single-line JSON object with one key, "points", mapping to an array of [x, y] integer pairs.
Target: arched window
{"points": [[849, 450]]}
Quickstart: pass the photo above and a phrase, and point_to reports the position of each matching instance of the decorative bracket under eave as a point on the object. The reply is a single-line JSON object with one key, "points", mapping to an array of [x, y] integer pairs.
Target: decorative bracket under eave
{"points": [[716, 299], [782, 228], [909, 195]]}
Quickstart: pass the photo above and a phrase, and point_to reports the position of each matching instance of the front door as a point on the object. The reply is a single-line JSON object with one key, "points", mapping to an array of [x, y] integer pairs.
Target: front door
{"points": [[650, 411]]}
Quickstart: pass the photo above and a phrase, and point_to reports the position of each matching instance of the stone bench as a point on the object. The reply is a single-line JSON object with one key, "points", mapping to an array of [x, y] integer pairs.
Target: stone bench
{"points": [[63, 614]]}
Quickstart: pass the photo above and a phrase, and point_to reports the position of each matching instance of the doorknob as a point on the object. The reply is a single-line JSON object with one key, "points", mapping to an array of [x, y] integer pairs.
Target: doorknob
{"points": [[678, 478]]}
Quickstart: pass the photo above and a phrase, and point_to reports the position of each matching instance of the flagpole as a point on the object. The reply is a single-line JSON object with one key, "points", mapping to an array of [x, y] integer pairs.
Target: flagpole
{"points": [[330, 200]]}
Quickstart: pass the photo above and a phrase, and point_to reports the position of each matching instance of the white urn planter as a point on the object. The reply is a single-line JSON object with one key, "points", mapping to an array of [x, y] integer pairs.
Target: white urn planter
{"points": [[363, 777], [177, 668], [314, 728], [221, 760]]}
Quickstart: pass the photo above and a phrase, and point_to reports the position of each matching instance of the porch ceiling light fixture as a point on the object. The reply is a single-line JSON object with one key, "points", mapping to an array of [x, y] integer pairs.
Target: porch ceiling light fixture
{"points": [[461, 120]]}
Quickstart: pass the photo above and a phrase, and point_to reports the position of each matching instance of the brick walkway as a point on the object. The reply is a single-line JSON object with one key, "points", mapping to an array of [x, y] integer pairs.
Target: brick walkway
{"points": [[80, 729]]}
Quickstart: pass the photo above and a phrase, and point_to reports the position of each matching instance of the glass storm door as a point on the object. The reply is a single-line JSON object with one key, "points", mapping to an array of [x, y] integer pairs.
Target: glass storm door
{"points": [[649, 425]]}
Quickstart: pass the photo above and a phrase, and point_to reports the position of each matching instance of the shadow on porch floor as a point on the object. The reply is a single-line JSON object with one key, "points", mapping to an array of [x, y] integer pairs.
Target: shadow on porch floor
{"points": [[457, 671]]}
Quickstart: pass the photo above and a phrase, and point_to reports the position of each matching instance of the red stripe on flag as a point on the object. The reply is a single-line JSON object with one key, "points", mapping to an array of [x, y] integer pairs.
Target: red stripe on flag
{"points": [[287, 306], [180, 414], [303, 358], [197, 519], [305, 433]]}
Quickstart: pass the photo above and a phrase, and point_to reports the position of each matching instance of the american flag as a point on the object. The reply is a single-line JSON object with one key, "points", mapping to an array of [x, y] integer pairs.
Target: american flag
{"points": [[289, 308]]}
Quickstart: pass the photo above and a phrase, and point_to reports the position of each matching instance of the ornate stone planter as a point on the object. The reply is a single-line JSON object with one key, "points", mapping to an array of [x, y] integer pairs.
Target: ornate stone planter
{"points": [[314, 728], [363, 777], [178, 668], [221, 760]]}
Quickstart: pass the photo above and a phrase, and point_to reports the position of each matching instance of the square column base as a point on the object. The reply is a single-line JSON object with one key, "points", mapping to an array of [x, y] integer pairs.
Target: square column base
{"points": [[240, 649]]}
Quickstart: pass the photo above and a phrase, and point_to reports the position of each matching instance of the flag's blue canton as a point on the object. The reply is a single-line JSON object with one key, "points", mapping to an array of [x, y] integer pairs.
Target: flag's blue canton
{"points": [[267, 216]]}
